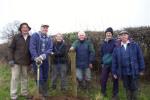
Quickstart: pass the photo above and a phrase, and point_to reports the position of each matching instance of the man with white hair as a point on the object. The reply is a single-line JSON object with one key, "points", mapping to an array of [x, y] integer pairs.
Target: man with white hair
{"points": [[41, 46], [85, 54]]}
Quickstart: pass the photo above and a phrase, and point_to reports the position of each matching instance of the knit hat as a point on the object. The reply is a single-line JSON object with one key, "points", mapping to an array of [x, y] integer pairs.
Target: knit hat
{"points": [[109, 29]]}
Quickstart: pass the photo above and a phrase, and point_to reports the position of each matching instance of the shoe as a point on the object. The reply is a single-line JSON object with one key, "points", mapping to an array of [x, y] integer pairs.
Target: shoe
{"points": [[115, 97], [63, 89], [14, 99], [28, 97], [53, 87], [104, 94]]}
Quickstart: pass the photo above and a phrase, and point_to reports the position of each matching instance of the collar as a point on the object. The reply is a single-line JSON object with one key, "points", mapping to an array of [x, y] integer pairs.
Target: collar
{"points": [[125, 43], [106, 39], [20, 34], [42, 34]]}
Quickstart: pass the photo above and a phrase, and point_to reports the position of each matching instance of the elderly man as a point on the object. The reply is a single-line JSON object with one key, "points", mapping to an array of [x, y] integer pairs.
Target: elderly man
{"points": [[19, 57], [40, 47], [59, 62], [128, 62], [84, 57]]}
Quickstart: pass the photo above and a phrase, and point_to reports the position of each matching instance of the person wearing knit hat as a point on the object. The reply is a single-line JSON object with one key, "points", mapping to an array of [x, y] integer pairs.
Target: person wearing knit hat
{"points": [[106, 50], [109, 29]]}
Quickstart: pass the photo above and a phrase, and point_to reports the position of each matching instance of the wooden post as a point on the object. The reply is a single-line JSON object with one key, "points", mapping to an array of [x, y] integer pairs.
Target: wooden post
{"points": [[72, 56]]}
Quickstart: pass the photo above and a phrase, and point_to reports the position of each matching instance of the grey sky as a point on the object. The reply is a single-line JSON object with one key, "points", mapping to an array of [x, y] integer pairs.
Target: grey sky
{"points": [[75, 15]]}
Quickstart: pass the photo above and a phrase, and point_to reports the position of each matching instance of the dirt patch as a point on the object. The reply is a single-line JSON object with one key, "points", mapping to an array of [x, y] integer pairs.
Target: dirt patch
{"points": [[65, 98]]}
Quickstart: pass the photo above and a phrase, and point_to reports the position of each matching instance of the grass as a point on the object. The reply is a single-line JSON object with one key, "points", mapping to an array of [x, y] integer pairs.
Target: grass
{"points": [[93, 93]]}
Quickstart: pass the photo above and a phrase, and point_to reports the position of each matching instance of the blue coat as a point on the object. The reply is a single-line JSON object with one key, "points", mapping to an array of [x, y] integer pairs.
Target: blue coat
{"points": [[107, 48], [136, 60], [85, 53], [35, 46]]}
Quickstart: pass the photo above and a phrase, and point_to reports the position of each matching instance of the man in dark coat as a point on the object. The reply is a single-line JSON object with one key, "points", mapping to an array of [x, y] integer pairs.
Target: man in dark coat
{"points": [[128, 63], [106, 60], [19, 59], [85, 54], [59, 58]]}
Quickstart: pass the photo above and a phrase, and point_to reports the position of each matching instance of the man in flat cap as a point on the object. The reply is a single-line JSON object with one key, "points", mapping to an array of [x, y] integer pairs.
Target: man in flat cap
{"points": [[128, 63], [40, 47]]}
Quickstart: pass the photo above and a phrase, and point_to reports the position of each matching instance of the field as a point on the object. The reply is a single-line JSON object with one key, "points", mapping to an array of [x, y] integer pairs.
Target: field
{"points": [[92, 94]]}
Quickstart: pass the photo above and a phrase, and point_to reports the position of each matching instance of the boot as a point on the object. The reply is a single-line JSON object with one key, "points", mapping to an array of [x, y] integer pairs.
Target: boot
{"points": [[41, 89], [45, 89], [115, 97], [80, 84], [88, 85], [128, 93], [134, 95]]}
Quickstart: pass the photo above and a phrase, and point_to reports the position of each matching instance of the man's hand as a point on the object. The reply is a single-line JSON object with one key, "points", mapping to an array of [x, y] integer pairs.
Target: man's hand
{"points": [[102, 65], [115, 76], [43, 56], [91, 66], [141, 73], [38, 60], [11, 63], [52, 53], [71, 49]]}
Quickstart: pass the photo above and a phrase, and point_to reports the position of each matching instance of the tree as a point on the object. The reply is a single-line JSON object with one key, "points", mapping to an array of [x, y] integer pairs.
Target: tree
{"points": [[10, 30]]}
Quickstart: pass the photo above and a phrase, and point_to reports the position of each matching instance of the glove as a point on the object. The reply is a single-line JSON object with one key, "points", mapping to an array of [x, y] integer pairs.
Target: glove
{"points": [[43, 56], [91, 66], [38, 60], [52, 53], [102, 65], [11, 63]]}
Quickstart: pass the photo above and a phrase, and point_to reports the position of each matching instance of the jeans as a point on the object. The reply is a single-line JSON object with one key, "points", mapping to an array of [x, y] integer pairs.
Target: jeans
{"points": [[59, 69], [83, 74]]}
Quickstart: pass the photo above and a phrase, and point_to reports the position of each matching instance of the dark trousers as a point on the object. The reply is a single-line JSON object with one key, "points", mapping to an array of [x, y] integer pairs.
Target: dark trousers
{"points": [[59, 69], [106, 69], [131, 85], [44, 70], [43, 81]]}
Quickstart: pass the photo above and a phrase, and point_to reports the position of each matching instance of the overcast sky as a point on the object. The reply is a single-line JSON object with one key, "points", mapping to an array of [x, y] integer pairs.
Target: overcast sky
{"points": [[75, 15]]}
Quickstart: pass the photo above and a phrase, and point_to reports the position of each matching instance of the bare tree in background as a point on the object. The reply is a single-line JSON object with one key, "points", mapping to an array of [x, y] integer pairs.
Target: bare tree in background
{"points": [[10, 30]]}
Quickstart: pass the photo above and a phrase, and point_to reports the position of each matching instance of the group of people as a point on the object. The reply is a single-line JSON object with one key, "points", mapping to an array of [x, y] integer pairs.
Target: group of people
{"points": [[122, 58]]}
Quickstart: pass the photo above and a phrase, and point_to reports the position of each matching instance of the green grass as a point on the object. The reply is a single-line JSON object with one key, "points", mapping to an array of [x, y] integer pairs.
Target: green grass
{"points": [[93, 93]]}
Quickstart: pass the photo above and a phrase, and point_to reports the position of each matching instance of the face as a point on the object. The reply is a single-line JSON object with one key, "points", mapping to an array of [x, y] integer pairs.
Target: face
{"points": [[124, 37], [59, 37], [81, 36], [118, 37], [24, 29], [108, 35], [44, 30]]}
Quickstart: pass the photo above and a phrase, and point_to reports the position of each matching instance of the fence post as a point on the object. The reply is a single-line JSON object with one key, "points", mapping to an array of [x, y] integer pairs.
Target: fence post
{"points": [[72, 56]]}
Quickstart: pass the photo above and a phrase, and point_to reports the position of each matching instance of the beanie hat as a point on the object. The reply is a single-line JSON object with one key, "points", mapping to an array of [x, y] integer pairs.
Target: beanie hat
{"points": [[109, 29]]}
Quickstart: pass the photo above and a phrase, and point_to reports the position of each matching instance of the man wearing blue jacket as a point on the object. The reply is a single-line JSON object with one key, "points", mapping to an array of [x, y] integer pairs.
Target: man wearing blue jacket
{"points": [[40, 47], [128, 63], [85, 54]]}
